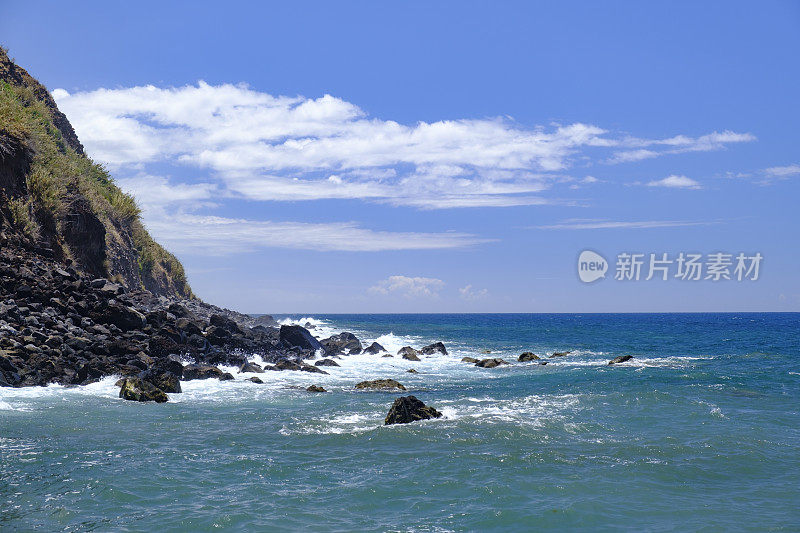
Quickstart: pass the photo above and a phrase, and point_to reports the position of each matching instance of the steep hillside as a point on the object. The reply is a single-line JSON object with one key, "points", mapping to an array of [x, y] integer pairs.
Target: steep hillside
{"points": [[55, 201]]}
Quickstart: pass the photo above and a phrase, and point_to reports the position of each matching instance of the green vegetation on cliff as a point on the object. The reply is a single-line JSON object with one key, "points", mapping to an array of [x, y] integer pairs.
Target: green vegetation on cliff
{"points": [[58, 199]]}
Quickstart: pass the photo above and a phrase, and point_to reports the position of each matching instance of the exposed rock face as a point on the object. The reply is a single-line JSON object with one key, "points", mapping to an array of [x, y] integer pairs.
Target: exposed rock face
{"points": [[407, 352], [406, 409], [138, 390], [620, 359], [315, 388], [342, 343], [436, 347], [374, 348], [386, 384], [527, 356], [469, 360], [491, 363], [298, 336]]}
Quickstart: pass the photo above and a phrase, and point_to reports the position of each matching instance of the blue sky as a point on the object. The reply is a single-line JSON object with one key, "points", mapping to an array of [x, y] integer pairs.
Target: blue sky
{"points": [[309, 157]]}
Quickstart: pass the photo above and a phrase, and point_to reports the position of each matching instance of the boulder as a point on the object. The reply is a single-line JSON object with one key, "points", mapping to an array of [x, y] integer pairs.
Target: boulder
{"points": [[527, 356], [412, 371], [162, 379], [490, 363], [227, 376], [342, 343], [298, 336], [251, 367], [191, 372], [436, 347], [124, 317], [560, 354], [255, 380], [139, 390], [620, 359], [407, 409], [326, 362], [315, 388], [374, 348], [385, 384], [225, 323], [286, 364], [407, 352], [469, 360]]}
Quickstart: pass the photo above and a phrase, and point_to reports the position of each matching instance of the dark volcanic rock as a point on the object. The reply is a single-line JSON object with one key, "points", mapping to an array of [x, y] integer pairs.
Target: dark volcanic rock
{"points": [[139, 390], [407, 352], [315, 388], [326, 362], [436, 347], [162, 379], [255, 380], [527, 356], [560, 354], [298, 336], [490, 363], [469, 360], [311, 368], [193, 371], [620, 359], [386, 384], [342, 343], [251, 367], [374, 348], [407, 409]]}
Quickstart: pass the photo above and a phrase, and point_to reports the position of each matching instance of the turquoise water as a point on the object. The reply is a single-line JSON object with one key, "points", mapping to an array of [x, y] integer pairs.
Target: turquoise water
{"points": [[700, 431]]}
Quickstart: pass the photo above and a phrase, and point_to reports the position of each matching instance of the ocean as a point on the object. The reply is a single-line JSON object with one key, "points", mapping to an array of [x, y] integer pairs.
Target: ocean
{"points": [[699, 431]]}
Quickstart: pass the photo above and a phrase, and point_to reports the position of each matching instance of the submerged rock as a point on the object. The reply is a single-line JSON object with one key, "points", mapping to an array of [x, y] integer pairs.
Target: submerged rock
{"points": [[412, 371], [469, 360], [315, 388], [436, 347], [527, 356], [374, 348], [407, 352], [409, 409], [139, 390], [620, 359], [344, 342], [380, 384], [560, 354], [491, 363]]}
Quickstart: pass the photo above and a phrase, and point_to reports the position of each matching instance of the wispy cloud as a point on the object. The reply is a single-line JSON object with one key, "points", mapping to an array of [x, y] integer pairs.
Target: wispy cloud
{"points": [[783, 172], [470, 293], [276, 148], [675, 182], [408, 287], [585, 224]]}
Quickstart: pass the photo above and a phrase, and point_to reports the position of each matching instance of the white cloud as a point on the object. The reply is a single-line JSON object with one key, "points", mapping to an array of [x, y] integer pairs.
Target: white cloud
{"points": [[679, 144], [783, 172], [675, 182], [470, 293], [213, 235], [408, 287], [277, 148], [611, 224]]}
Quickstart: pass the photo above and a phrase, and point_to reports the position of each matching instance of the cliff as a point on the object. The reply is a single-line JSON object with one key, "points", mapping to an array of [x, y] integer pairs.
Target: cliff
{"points": [[57, 202]]}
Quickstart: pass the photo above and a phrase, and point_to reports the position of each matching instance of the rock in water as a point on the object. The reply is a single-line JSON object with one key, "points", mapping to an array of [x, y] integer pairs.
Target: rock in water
{"points": [[527, 356], [412, 371], [560, 354], [380, 384], [620, 359], [436, 347], [251, 367], [315, 388], [161, 379], [300, 337], [191, 372], [469, 360], [490, 363], [326, 362], [139, 390], [374, 348], [409, 409], [407, 352], [342, 343], [255, 380]]}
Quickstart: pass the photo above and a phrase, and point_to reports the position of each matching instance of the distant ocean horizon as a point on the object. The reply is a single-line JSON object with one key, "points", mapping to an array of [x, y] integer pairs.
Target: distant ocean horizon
{"points": [[700, 430]]}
